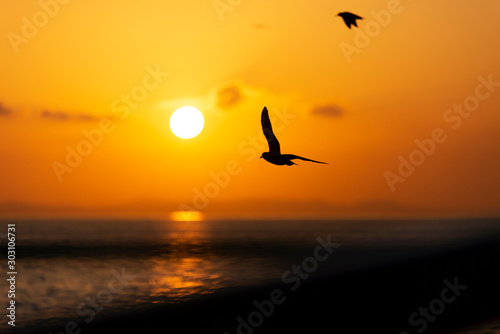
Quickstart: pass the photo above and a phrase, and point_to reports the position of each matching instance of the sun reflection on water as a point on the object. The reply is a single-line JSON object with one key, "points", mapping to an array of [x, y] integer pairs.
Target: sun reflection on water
{"points": [[183, 277]]}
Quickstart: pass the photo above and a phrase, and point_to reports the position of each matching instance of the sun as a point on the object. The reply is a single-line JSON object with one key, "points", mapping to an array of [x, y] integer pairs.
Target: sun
{"points": [[187, 122]]}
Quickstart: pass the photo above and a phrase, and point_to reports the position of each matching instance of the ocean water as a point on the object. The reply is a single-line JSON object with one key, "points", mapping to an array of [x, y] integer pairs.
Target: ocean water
{"points": [[80, 270]]}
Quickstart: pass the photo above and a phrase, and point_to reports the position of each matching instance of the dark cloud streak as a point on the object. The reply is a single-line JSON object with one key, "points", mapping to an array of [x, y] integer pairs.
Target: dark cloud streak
{"points": [[59, 116], [260, 26], [68, 117], [328, 110], [229, 96], [4, 111]]}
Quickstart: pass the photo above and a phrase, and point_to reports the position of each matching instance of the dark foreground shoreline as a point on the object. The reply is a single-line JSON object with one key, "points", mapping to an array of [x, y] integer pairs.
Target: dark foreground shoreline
{"points": [[380, 299]]}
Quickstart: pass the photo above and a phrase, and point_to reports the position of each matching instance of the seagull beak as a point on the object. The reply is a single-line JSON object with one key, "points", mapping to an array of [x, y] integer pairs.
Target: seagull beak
{"points": [[260, 157]]}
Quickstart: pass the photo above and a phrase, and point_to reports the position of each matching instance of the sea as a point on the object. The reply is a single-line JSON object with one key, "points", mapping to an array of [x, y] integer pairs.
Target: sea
{"points": [[79, 271]]}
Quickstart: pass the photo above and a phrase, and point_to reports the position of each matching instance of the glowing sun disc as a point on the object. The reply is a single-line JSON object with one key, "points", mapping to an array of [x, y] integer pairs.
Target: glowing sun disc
{"points": [[186, 216], [187, 122]]}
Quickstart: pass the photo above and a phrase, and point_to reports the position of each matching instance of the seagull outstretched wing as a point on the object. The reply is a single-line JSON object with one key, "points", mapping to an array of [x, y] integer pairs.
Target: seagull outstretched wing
{"points": [[274, 145], [293, 156]]}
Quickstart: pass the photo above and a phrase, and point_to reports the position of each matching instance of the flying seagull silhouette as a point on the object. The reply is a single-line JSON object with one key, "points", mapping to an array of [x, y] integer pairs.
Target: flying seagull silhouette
{"points": [[349, 18], [274, 155]]}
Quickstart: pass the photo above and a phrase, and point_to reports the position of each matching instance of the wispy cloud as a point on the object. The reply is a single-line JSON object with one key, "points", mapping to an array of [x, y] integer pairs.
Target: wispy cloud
{"points": [[328, 110], [60, 116], [229, 96], [4, 111], [234, 96], [68, 117], [260, 26]]}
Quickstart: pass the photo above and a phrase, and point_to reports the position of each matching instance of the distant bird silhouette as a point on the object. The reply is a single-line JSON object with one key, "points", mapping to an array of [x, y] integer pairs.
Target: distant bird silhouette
{"points": [[274, 155], [350, 18]]}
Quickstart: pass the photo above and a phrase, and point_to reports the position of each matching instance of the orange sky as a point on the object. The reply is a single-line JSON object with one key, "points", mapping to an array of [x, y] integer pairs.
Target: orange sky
{"points": [[67, 72]]}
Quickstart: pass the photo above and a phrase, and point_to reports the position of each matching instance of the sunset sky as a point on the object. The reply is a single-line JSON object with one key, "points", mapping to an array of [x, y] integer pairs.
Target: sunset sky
{"points": [[356, 98]]}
